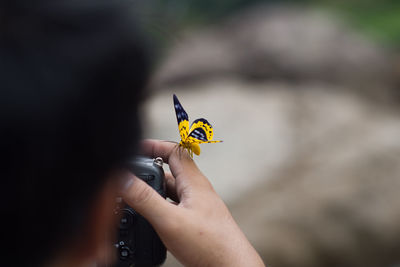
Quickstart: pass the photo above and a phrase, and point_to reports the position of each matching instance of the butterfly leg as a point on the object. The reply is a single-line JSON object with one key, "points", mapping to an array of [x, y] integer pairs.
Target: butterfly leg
{"points": [[181, 151], [190, 152]]}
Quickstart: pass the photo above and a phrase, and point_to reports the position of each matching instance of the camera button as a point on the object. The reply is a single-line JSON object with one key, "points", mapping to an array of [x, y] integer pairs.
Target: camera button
{"points": [[127, 219], [124, 253]]}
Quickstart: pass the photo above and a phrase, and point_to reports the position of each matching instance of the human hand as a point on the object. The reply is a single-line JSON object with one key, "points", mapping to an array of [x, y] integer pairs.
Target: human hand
{"points": [[198, 228]]}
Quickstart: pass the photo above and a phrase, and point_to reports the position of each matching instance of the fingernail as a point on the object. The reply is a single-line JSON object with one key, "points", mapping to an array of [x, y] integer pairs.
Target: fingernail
{"points": [[127, 184]]}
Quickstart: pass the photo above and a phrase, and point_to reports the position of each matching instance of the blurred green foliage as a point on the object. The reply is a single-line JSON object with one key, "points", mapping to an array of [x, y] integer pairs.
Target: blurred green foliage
{"points": [[378, 18]]}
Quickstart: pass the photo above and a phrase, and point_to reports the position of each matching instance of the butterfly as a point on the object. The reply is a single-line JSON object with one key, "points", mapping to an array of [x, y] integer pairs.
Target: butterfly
{"points": [[199, 132]]}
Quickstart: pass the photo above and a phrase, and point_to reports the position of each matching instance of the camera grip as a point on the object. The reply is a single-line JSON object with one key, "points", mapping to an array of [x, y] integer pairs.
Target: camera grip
{"points": [[138, 243]]}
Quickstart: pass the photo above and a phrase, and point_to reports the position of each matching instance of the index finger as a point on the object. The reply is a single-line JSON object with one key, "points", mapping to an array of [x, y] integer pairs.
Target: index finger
{"points": [[158, 148], [179, 161]]}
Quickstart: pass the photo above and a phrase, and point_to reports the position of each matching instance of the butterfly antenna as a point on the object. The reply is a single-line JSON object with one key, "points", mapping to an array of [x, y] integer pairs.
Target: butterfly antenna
{"points": [[173, 142]]}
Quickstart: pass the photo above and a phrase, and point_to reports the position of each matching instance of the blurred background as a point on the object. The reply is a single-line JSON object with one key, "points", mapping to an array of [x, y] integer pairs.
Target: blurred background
{"points": [[305, 95]]}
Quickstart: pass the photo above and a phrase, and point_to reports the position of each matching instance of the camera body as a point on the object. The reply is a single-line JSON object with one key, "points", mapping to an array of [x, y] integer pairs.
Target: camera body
{"points": [[137, 242]]}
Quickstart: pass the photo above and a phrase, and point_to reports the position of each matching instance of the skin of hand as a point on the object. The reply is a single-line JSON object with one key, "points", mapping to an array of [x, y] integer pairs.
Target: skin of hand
{"points": [[197, 228]]}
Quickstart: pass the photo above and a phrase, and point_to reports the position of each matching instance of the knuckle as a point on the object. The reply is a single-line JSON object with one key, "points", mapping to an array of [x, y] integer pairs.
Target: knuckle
{"points": [[141, 195]]}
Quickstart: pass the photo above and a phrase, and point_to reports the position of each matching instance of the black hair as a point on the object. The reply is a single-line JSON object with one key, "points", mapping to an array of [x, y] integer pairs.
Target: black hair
{"points": [[71, 79]]}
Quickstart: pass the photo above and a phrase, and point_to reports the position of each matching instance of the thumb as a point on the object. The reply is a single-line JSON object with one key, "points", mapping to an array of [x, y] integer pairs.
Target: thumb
{"points": [[146, 201]]}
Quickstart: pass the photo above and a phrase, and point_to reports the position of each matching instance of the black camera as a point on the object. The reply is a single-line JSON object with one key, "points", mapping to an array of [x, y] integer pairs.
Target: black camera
{"points": [[137, 242]]}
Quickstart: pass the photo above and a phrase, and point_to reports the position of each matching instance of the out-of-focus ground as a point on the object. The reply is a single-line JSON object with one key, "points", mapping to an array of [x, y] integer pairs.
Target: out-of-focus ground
{"points": [[309, 113]]}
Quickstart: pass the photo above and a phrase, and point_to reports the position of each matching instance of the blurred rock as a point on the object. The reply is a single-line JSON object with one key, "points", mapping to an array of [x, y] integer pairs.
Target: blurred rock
{"points": [[335, 201], [309, 167], [282, 43], [310, 172]]}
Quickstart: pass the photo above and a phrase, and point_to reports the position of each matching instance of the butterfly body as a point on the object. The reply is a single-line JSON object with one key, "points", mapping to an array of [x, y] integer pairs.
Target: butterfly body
{"points": [[199, 132], [191, 148]]}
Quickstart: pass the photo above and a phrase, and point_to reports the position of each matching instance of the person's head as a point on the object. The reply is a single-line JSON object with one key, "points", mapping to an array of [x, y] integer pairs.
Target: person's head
{"points": [[71, 79]]}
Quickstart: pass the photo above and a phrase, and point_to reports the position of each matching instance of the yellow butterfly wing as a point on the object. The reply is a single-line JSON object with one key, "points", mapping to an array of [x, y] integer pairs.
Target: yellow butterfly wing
{"points": [[205, 125], [200, 132], [182, 118]]}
